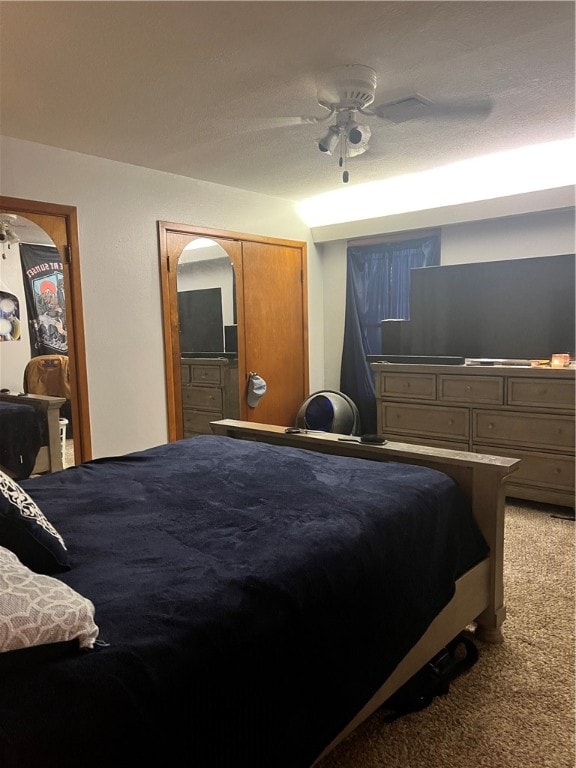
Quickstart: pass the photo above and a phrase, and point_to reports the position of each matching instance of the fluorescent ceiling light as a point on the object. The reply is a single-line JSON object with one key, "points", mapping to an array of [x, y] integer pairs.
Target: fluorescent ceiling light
{"points": [[528, 169]]}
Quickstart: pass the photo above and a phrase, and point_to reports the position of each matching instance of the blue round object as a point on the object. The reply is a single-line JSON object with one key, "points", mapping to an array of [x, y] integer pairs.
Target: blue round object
{"points": [[319, 414]]}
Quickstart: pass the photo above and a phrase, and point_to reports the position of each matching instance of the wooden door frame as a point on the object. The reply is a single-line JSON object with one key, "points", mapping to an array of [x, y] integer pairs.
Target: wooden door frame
{"points": [[170, 309], [38, 212]]}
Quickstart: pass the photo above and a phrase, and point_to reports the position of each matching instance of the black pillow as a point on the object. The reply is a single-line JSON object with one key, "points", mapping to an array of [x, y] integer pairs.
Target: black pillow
{"points": [[27, 533]]}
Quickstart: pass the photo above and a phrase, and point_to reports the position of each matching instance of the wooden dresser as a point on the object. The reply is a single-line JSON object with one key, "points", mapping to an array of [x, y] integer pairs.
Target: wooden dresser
{"points": [[521, 412], [209, 392]]}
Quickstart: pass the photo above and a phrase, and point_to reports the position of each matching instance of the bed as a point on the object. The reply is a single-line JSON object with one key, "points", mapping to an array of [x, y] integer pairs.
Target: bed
{"points": [[30, 434], [250, 596]]}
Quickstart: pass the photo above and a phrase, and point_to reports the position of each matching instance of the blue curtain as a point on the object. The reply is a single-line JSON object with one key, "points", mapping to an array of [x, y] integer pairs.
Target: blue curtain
{"points": [[377, 288]]}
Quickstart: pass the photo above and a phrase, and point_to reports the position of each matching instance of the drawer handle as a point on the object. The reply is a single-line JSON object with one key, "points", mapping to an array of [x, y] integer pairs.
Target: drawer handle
{"points": [[490, 426], [468, 388]]}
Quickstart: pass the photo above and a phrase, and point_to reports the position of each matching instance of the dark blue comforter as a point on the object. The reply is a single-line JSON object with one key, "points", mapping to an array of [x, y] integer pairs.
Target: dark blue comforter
{"points": [[253, 598]]}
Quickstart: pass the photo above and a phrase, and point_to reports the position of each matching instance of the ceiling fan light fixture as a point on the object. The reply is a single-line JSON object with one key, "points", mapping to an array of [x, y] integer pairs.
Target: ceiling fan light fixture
{"points": [[7, 233], [328, 143], [348, 136], [358, 135], [354, 151]]}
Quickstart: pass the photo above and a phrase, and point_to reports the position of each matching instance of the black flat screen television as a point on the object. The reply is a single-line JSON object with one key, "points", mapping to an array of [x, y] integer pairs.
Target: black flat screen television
{"points": [[511, 309], [200, 320]]}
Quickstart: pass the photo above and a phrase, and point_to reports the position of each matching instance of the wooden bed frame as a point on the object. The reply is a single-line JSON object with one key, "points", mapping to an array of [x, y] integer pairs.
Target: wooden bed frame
{"points": [[49, 457], [479, 597]]}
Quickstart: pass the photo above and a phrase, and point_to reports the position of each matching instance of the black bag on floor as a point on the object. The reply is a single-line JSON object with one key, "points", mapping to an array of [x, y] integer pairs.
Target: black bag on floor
{"points": [[434, 678]]}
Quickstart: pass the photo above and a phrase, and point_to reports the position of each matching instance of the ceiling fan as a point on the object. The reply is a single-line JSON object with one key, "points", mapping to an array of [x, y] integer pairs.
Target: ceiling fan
{"points": [[8, 235], [347, 93]]}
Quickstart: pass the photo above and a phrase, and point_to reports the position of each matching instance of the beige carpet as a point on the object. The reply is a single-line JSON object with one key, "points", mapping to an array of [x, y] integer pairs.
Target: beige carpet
{"points": [[515, 707]]}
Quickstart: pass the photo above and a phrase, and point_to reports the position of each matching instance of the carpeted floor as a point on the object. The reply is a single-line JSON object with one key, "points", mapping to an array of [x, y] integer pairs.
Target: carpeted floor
{"points": [[515, 707]]}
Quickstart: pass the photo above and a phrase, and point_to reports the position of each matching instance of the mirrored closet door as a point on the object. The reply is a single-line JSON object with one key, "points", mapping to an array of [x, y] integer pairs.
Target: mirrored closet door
{"points": [[232, 304]]}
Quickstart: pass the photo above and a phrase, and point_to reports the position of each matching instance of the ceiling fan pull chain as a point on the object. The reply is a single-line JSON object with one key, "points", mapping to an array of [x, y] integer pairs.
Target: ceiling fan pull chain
{"points": [[343, 153]]}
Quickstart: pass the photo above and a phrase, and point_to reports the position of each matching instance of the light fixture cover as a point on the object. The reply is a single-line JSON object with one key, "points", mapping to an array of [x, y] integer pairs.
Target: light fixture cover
{"points": [[348, 135], [329, 142], [358, 138]]}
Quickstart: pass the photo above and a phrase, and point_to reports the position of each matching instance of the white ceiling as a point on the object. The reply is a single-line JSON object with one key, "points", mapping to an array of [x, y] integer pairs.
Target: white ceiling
{"points": [[183, 86]]}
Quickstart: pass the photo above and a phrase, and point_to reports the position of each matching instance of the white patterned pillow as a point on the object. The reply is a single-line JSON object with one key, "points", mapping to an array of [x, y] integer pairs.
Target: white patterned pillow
{"points": [[25, 530], [37, 610]]}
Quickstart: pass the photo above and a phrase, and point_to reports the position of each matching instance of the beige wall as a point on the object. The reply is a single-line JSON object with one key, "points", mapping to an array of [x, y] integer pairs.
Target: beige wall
{"points": [[118, 208]]}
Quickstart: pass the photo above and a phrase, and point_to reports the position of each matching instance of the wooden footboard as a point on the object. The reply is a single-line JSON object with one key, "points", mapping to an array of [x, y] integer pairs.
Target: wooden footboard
{"points": [[49, 457], [479, 596]]}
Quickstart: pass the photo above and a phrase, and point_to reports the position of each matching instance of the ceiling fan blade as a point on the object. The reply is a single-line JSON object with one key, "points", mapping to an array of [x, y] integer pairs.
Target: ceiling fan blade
{"points": [[418, 108], [249, 124], [279, 122]]}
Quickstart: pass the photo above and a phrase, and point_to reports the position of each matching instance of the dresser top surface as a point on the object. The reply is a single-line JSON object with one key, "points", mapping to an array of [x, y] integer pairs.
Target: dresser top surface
{"points": [[478, 370]]}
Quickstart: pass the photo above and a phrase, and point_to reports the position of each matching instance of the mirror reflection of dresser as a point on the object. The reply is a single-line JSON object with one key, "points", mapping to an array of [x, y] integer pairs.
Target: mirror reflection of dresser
{"points": [[209, 392], [209, 352]]}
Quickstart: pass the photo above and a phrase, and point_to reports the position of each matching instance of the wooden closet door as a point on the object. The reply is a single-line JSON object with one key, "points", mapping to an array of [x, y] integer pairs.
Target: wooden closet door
{"points": [[275, 329], [272, 318]]}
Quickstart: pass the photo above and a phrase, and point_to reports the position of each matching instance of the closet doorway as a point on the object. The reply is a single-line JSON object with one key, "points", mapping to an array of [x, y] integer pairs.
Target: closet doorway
{"points": [[271, 319], [59, 222]]}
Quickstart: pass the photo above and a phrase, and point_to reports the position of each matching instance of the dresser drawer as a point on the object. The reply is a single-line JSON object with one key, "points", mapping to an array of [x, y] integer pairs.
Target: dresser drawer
{"points": [[471, 389], [205, 374], [532, 430], [421, 420], [536, 393], [544, 470], [418, 386], [209, 398], [198, 422]]}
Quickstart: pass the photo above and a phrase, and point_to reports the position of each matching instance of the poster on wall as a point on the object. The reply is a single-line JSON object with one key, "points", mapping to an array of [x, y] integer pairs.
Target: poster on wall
{"points": [[45, 299], [9, 317]]}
